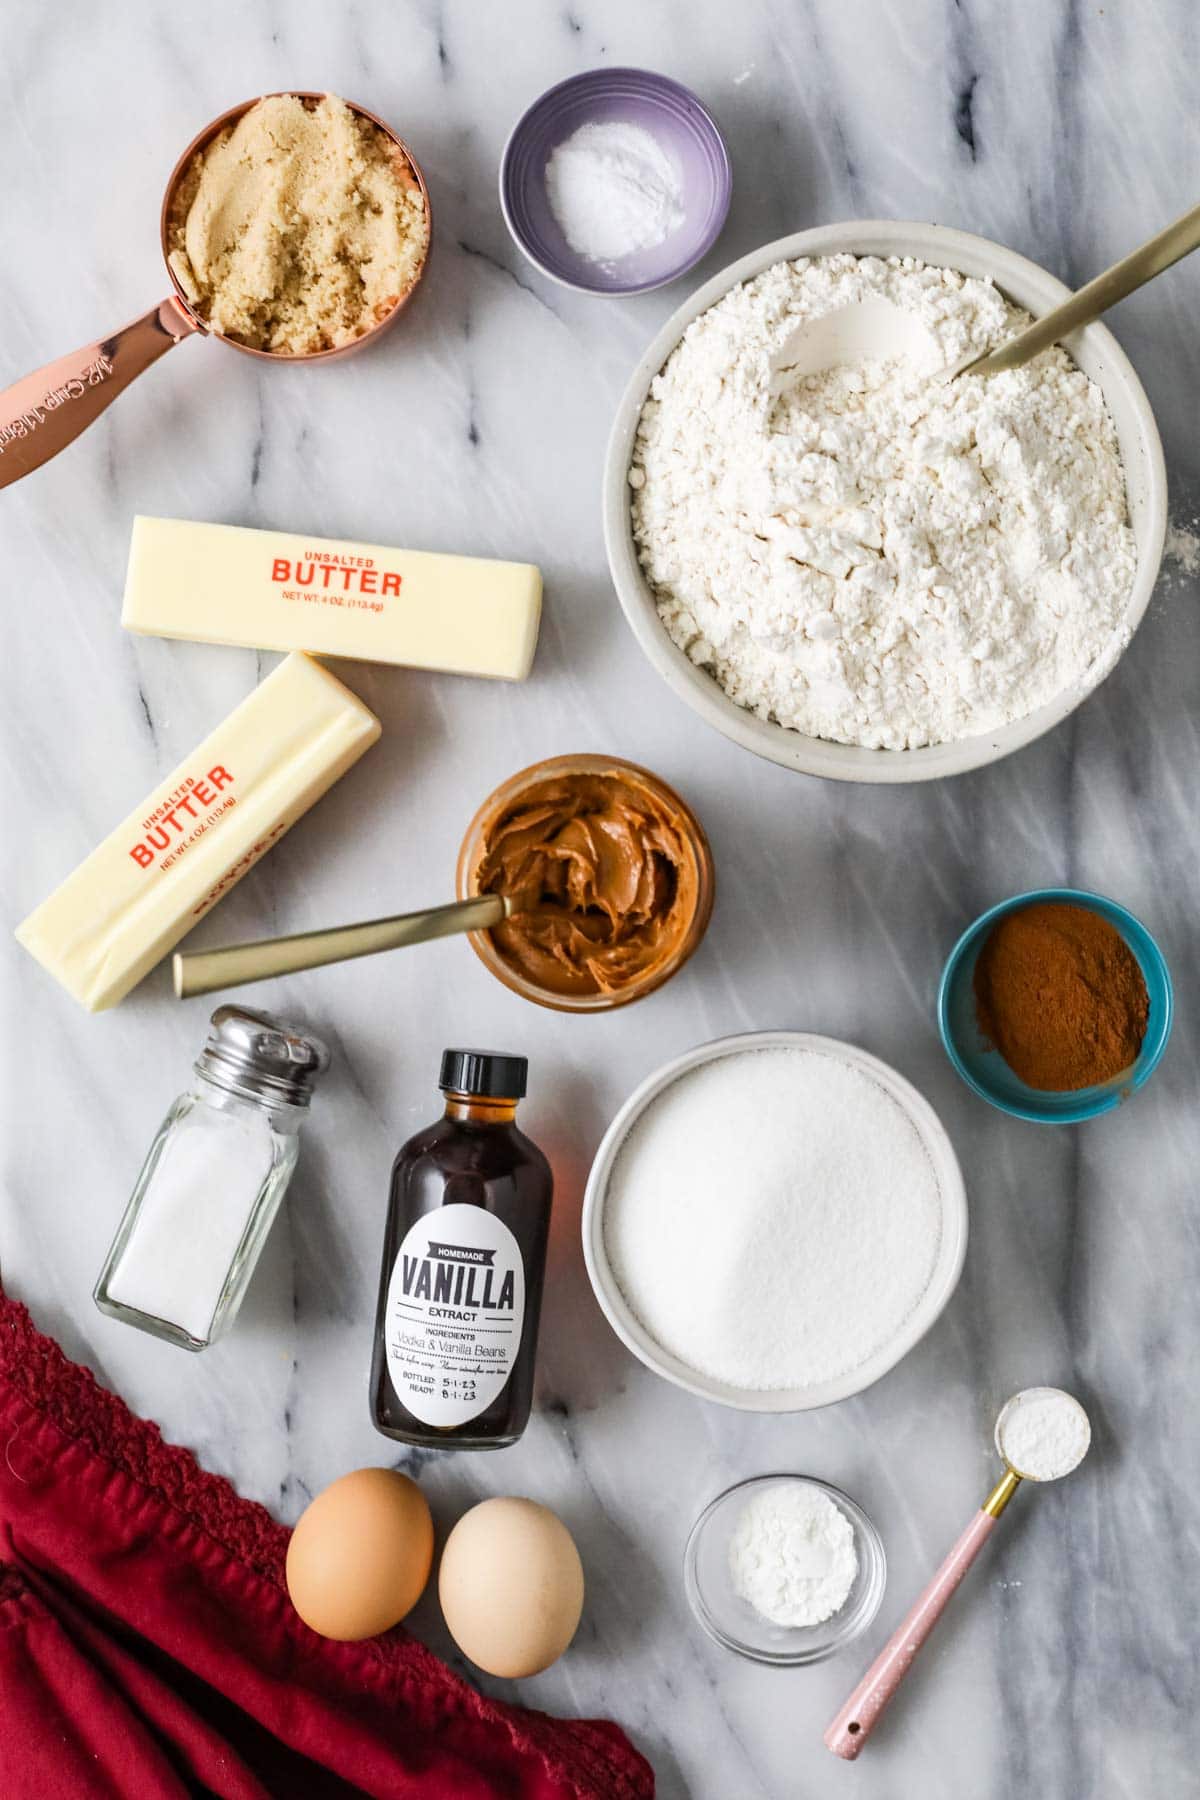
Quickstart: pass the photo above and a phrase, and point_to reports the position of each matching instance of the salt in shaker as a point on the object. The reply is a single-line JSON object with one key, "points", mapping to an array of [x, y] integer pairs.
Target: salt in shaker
{"points": [[212, 1182]]}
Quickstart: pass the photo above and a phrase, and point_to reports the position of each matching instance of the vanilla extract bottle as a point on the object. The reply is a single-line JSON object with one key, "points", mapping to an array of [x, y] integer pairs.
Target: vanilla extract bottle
{"points": [[464, 1257]]}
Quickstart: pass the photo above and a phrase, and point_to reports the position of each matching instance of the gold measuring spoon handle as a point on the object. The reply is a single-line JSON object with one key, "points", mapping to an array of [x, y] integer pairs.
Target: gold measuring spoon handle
{"points": [[203, 971], [44, 412], [1133, 271], [875, 1692]]}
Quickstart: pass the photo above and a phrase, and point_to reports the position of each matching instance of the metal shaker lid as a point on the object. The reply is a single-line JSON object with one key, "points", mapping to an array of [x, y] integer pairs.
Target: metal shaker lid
{"points": [[258, 1056]]}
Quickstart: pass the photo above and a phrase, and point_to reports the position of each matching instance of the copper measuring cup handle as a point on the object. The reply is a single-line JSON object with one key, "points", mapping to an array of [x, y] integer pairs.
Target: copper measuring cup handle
{"points": [[44, 412]]}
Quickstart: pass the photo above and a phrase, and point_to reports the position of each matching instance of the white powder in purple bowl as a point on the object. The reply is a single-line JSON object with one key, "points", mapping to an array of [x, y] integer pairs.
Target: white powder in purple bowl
{"points": [[613, 190], [773, 1218]]}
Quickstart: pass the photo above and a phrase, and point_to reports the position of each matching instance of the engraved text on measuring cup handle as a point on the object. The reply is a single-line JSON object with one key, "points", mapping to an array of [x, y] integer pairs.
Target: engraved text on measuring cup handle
{"points": [[45, 411]]}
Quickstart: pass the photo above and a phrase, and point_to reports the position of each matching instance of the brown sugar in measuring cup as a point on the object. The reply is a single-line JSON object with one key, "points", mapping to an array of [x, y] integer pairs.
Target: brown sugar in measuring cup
{"points": [[1061, 996], [45, 411]]}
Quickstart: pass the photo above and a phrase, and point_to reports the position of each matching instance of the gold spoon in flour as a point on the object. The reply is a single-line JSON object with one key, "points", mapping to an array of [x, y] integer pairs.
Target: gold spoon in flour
{"points": [[875, 329]]}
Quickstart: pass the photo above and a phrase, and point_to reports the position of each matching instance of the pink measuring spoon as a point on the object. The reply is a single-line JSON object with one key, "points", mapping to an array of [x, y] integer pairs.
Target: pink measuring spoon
{"points": [[1046, 1431]]}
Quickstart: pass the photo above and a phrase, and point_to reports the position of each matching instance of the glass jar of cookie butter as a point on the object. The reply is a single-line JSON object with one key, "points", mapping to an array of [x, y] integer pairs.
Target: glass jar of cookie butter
{"points": [[609, 876]]}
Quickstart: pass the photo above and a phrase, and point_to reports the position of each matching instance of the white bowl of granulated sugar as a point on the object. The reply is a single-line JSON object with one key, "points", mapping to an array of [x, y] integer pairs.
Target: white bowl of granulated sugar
{"points": [[773, 1220], [868, 583]]}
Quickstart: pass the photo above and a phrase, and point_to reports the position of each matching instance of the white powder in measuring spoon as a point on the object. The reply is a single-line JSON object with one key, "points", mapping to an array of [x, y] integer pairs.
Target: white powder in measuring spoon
{"points": [[613, 190], [1043, 1433], [792, 1555], [773, 1218]]}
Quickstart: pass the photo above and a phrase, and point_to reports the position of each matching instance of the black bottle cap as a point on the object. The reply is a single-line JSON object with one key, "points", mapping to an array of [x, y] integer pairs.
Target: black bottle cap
{"points": [[490, 1073]]}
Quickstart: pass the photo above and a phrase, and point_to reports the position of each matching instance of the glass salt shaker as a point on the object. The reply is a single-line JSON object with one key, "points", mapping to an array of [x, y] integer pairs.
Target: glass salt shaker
{"points": [[212, 1181]]}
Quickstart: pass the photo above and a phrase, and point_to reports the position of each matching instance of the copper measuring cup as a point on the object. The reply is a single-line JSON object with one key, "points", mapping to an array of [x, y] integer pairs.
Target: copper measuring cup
{"points": [[44, 412]]}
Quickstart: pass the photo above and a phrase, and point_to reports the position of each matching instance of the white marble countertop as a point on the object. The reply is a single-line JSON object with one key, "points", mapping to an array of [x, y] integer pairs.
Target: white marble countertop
{"points": [[1067, 1665]]}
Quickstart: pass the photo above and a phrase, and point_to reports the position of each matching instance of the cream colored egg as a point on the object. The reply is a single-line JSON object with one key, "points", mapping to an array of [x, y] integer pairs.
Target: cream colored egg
{"points": [[511, 1586], [360, 1555]]}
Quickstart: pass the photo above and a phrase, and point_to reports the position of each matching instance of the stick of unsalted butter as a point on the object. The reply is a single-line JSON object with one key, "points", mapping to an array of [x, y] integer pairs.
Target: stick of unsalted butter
{"points": [[196, 835], [225, 584]]}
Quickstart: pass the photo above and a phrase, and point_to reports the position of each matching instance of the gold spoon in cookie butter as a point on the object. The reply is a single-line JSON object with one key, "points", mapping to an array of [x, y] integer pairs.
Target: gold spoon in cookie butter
{"points": [[44, 412], [204, 971], [603, 870]]}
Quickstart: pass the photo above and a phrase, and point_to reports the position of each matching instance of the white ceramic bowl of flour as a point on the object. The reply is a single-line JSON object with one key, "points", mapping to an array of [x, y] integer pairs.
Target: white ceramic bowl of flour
{"points": [[939, 1277], [1095, 350]]}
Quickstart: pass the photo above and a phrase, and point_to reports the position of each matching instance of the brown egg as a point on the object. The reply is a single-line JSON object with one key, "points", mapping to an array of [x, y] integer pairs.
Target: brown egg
{"points": [[511, 1586], [360, 1555]]}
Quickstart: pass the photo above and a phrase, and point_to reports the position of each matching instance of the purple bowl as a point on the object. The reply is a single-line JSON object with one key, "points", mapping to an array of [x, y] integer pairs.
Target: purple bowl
{"points": [[636, 97]]}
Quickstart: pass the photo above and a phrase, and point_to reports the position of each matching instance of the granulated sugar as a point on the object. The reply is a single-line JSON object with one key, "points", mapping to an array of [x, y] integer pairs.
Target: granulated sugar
{"points": [[773, 1218]]}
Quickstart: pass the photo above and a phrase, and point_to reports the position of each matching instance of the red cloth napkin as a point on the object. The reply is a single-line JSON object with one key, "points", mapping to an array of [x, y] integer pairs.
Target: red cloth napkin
{"points": [[148, 1647]]}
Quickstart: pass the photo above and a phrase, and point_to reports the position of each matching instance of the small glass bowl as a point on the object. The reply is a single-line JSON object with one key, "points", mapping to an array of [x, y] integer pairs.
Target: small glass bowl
{"points": [[733, 1622], [471, 853]]}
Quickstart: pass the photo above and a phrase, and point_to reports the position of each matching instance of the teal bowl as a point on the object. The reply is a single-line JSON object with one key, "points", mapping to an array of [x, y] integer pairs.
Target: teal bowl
{"points": [[985, 1070]]}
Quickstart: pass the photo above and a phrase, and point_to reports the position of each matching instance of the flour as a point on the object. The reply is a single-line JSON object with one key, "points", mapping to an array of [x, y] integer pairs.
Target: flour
{"points": [[613, 190], [1043, 1433], [773, 1218], [1181, 552], [868, 555], [792, 1555]]}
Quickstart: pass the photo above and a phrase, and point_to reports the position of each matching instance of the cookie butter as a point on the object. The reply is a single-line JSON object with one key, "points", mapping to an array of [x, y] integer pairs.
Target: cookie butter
{"points": [[298, 228], [608, 874]]}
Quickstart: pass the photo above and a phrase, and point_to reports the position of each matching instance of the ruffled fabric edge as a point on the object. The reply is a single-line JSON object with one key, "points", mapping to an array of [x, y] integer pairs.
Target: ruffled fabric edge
{"points": [[68, 1396]]}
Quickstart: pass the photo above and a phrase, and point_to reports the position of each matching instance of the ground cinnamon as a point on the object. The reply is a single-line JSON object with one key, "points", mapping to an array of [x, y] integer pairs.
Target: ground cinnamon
{"points": [[1061, 996]]}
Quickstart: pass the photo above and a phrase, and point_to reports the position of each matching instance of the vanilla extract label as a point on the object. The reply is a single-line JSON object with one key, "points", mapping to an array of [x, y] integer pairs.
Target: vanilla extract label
{"points": [[455, 1311]]}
